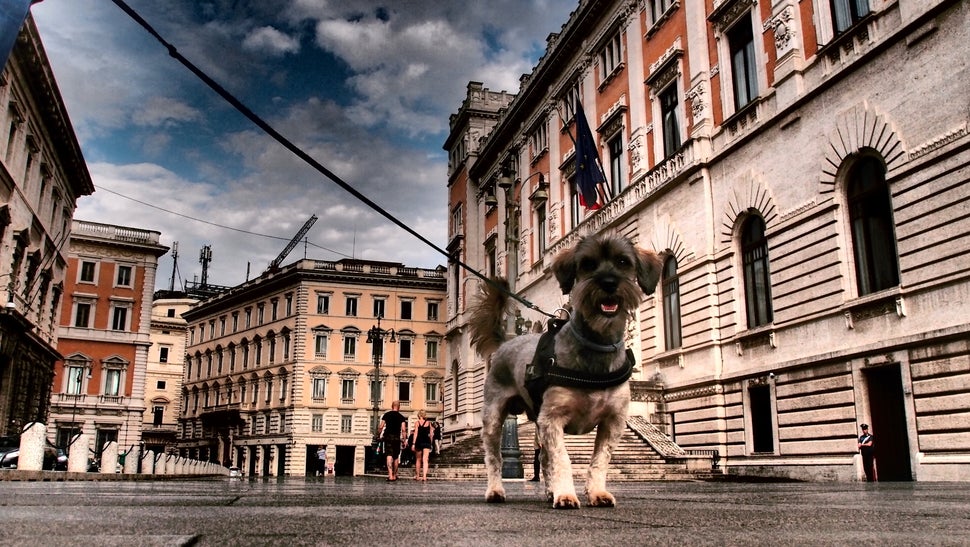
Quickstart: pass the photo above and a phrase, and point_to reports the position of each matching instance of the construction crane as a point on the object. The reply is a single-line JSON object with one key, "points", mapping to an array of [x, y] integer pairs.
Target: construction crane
{"points": [[275, 264]]}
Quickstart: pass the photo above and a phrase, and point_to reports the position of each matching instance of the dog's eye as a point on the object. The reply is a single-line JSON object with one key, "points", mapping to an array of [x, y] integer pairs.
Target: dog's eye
{"points": [[588, 265], [623, 262]]}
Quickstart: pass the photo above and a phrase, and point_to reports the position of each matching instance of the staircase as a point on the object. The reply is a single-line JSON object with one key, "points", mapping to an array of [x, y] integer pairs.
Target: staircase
{"points": [[644, 453]]}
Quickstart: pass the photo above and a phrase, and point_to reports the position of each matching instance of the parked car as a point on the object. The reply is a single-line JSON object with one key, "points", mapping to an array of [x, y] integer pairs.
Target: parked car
{"points": [[54, 458]]}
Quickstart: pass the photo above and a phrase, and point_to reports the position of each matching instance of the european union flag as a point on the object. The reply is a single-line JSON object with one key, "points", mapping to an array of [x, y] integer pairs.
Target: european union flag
{"points": [[590, 180], [12, 15]]}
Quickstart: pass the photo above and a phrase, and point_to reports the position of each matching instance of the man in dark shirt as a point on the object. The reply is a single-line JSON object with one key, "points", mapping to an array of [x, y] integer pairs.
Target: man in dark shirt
{"points": [[394, 428], [868, 453]]}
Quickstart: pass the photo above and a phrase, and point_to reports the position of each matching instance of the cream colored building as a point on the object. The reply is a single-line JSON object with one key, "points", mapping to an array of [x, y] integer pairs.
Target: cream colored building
{"points": [[281, 365], [804, 166], [163, 378]]}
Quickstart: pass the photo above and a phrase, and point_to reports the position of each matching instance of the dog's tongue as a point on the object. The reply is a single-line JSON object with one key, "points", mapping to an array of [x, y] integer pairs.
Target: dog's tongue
{"points": [[609, 307]]}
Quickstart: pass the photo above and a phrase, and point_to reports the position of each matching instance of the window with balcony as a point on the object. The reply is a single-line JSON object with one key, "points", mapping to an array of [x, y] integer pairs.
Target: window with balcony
{"points": [[669, 107], [744, 68]]}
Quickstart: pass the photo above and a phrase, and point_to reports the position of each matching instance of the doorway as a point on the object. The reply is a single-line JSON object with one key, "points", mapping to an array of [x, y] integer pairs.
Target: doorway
{"points": [[343, 466], [884, 387]]}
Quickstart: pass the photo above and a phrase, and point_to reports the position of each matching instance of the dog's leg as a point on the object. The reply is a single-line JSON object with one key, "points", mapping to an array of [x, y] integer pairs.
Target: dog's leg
{"points": [[608, 434], [557, 467], [493, 416]]}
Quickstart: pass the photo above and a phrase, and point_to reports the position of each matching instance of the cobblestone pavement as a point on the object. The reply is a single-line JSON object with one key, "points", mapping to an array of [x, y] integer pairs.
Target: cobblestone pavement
{"points": [[369, 511]]}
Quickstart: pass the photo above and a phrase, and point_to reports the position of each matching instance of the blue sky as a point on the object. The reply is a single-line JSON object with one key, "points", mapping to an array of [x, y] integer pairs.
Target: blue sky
{"points": [[364, 87]]}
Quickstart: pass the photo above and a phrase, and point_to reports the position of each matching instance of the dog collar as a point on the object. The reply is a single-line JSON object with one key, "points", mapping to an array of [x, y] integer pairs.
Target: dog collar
{"points": [[593, 346]]}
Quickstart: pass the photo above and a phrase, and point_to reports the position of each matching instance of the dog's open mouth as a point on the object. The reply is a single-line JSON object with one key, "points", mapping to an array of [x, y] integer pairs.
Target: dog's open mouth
{"points": [[609, 306]]}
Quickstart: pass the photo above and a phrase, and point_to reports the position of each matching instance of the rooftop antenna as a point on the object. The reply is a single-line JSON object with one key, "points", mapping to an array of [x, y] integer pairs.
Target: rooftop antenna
{"points": [[205, 257], [175, 264]]}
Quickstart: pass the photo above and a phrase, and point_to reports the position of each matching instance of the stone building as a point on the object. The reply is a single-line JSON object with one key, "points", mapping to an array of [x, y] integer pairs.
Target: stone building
{"points": [[42, 175], [804, 167], [285, 363], [99, 384], [163, 376]]}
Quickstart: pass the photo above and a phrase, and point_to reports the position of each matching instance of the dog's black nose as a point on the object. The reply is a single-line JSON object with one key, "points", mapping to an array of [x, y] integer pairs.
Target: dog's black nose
{"points": [[608, 282]]}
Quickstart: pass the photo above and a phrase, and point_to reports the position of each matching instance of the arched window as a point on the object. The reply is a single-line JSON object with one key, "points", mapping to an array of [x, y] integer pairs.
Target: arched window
{"points": [[671, 304], [757, 281], [871, 221]]}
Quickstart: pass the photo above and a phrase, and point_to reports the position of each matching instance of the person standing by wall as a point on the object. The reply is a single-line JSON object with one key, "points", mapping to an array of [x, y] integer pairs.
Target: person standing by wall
{"points": [[394, 428], [321, 461], [867, 450]]}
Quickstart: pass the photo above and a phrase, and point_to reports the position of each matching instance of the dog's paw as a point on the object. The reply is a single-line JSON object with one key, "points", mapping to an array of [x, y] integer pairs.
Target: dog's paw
{"points": [[601, 499], [495, 496], [566, 501]]}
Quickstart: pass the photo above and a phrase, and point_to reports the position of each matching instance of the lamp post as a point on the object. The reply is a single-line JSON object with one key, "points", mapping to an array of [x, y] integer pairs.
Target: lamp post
{"points": [[375, 336], [511, 454]]}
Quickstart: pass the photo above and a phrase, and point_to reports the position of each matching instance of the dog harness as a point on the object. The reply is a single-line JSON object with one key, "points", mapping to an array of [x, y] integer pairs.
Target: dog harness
{"points": [[543, 371]]}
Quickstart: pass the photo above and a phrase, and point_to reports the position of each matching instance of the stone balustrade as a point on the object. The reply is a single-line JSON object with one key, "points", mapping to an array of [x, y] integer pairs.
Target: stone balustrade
{"points": [[115, 461]]}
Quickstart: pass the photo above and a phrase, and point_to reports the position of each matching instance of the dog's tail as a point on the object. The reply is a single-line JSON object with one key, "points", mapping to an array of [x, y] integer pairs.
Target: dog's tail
{"points": [[488, 317]]}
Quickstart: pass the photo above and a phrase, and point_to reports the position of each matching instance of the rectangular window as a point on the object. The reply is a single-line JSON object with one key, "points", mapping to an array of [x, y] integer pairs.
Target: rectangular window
{"points": [[112, 382], [323, 304], [405, 346], [82, 315], [541, 228], [431, 392], [671, 127], [87, 272], [346, 423], [119, 318], [350, 348], [289, 305], [222, 326], [249, 317], [274, 312], [744, 70], [846, 13], [432, 311], [406, 306], [316, 423], [347, 390], [260, 314], [351, 306], [404, 391], [616, 164], [320, 346], [124, 276], [157, 414], [319, 388], [539, 140], [75, 377], [610, 57], [379, 307], [432, 352], [163, 354], [160, 384], [658, 8]]}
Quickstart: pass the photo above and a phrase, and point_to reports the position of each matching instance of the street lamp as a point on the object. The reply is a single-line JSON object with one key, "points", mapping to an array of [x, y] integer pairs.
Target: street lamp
{"points": [[376, 337], [511, 455]]}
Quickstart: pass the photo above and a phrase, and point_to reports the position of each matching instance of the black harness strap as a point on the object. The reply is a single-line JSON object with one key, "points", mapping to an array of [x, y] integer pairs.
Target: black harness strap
{"points": [[543, 371]]}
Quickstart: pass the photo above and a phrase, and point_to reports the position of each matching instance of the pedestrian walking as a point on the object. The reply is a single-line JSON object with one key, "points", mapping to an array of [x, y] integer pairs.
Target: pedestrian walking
{"points": [[421, 437], [321, 461], [394, 428]]}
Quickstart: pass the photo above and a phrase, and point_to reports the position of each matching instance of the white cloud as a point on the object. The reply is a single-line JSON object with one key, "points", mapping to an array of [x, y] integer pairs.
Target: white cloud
{"points": [[271, 41], [164, 110]]}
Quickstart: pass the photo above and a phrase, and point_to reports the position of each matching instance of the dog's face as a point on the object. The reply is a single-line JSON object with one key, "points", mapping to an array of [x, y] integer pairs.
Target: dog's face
{"points": [[601, 274]]}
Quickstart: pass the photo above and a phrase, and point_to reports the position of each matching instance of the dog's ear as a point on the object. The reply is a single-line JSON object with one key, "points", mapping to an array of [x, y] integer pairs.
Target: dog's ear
{"points": [[564, 268], [649, 267]]}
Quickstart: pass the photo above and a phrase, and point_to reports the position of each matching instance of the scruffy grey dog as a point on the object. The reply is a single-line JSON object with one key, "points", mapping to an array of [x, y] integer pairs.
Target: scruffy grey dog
{"points": [[601, 275]]}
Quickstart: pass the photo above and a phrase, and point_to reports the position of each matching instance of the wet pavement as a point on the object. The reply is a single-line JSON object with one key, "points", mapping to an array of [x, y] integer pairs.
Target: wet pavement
{"points": [[369, 511]]}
